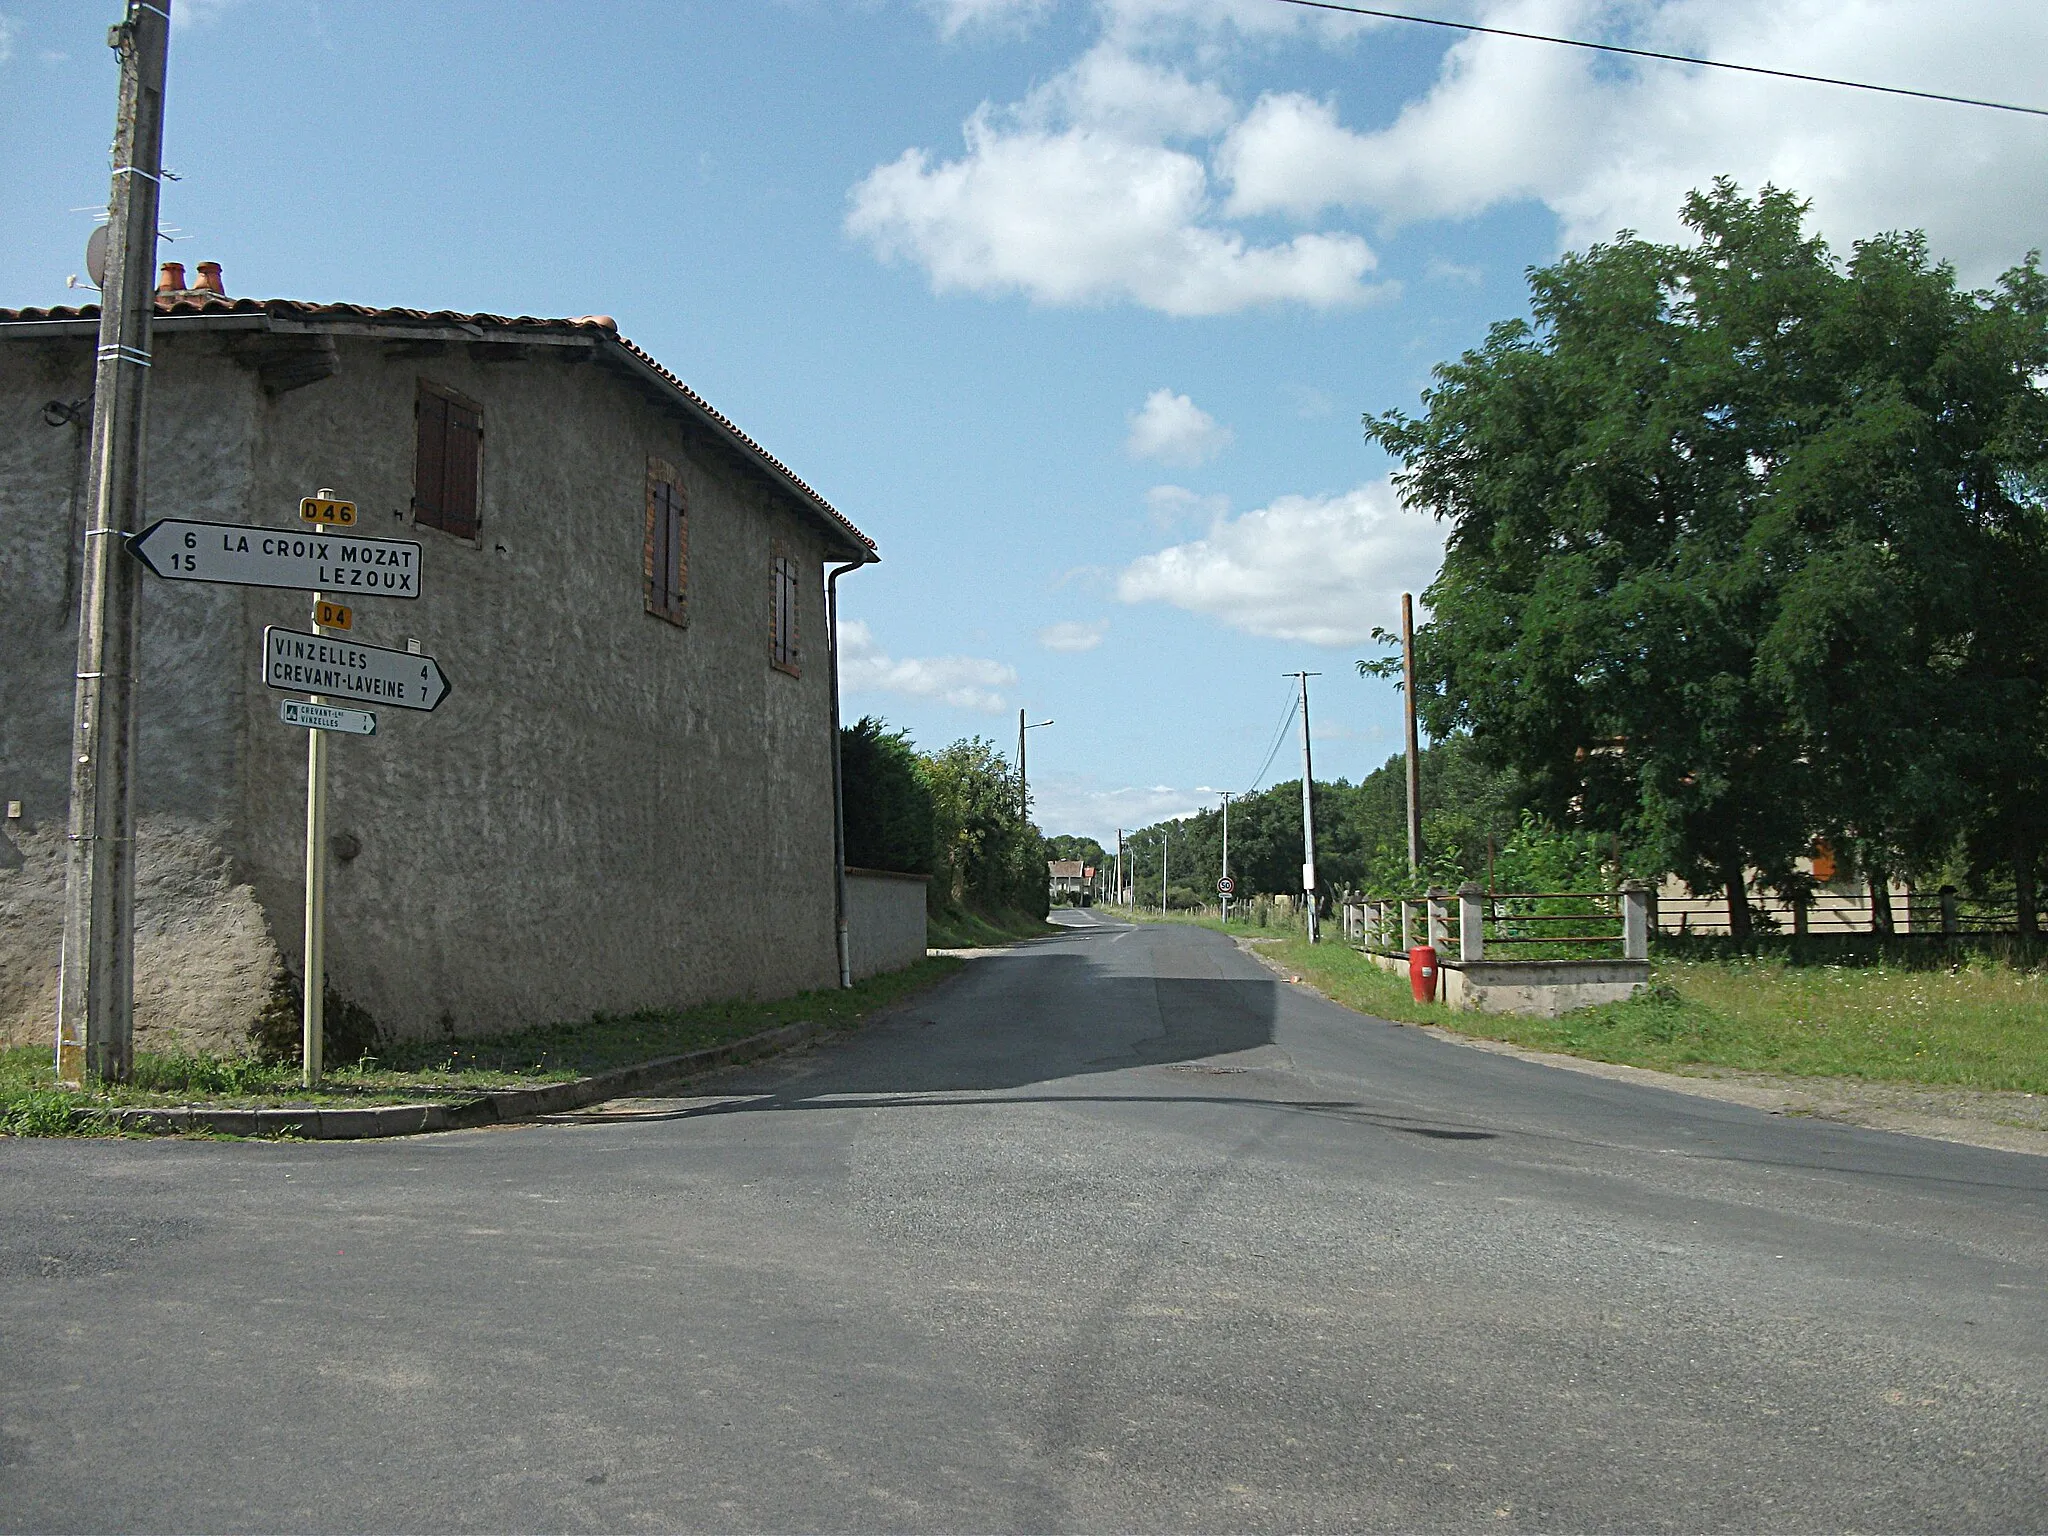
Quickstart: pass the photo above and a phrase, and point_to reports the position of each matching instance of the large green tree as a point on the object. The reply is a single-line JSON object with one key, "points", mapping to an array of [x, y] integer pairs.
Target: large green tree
{"points": [[889, 807], [988, 856], [1726, 521]]}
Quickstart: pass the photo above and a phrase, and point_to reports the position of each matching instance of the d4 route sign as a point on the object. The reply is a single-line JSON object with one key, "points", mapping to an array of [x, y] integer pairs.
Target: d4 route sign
{"points": [[272, 557], [342, 669]]}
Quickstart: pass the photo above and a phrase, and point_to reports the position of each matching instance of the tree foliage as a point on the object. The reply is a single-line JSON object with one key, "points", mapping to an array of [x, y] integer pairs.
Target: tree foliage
{"points": [[1474, 827], [1746, 546], [1068, 846], [889, 805], [987, 855], [951, 814]]}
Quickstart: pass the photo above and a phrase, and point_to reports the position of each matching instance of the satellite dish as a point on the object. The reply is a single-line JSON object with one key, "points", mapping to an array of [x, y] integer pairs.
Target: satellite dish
{"points": [[96, 257]]}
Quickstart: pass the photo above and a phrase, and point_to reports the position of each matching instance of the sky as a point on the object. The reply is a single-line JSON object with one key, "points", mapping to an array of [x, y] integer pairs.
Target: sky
{"points": [[1075, 308]]}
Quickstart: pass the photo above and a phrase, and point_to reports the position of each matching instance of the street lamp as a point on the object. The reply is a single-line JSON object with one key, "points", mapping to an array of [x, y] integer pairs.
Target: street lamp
{"points": [[1023, 787]]}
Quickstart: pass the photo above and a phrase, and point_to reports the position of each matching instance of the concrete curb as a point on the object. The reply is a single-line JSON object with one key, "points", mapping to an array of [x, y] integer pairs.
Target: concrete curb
{"points": [[500, 1108]]}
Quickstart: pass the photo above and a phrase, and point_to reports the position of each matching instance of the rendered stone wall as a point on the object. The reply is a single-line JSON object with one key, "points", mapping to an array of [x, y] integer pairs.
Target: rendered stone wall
{"points": [[609, 812], [885, 921], [206, 962]]}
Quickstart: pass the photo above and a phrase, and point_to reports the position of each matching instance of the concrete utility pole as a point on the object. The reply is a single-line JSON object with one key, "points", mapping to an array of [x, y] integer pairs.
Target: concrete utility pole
{"points": [[1408, 715], [1165, 833], [1223, 897], [96, 986], [1308, 813], [844, 940], [1023, 784]]}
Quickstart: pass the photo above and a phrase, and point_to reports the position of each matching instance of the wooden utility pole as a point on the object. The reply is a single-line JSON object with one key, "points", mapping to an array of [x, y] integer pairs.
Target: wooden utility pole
{"points": [[1408, 714], [96, 986]]}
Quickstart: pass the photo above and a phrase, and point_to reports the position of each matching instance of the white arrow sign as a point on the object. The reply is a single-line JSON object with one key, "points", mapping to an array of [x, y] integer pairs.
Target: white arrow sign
{"points": [[362, 674], [309, 561], [324, 717]]}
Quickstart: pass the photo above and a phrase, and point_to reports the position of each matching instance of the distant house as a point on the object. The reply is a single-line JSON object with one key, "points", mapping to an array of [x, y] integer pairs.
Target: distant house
{"points": [[625, 802], [1071, 879]]}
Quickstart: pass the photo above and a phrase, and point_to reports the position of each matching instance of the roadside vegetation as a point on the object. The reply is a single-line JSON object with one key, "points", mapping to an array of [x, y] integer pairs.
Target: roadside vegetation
{"points": [[1974, 1016], [32, 1104], [954, 815]]}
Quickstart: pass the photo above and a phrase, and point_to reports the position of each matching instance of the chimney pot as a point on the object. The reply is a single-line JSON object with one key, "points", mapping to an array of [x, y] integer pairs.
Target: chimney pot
{"points": [[209, 279], [172, 278]]}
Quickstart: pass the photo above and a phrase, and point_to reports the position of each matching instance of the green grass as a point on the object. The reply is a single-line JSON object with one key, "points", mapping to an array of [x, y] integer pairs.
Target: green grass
{"points": [[1959, 1020], [968, 928], [32, 1104]]}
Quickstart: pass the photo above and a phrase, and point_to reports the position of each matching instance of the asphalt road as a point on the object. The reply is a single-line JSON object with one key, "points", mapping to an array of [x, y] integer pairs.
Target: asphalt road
{"points": [[1111, 1233]]}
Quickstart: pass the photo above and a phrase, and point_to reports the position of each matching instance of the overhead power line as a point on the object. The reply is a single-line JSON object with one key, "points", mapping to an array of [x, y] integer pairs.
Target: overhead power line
{"points": [[1652, 53], [1273, 751]]}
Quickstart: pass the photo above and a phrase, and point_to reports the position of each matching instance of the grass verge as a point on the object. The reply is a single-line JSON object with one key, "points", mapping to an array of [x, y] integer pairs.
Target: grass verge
{"points": [[32, 1104], [971, 928], [1966, 1020]]}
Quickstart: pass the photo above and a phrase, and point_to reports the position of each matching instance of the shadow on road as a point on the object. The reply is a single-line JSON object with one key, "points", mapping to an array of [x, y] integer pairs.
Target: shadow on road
{"points": [[1341, 1109]]}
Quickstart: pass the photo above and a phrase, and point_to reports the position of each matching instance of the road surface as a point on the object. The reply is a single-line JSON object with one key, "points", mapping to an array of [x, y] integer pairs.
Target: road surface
{"points": [[1112, 1232]]}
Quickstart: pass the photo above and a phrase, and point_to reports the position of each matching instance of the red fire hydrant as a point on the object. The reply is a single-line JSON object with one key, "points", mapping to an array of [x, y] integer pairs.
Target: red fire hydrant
{"points": [[1422, 973]]}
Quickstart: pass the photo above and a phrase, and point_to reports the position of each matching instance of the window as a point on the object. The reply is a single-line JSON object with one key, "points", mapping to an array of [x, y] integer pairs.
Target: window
{"points": [[446, 465], [782, 652], [667, 551]]}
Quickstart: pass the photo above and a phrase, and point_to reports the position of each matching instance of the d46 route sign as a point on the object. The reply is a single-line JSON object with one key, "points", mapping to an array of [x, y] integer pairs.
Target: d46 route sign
{"points": [[342, 669], [322, 509], [308, 560]]}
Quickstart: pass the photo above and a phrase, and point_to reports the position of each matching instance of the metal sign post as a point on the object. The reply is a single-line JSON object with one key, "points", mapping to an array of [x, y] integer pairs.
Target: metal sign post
{"points": [[318, 560], [313, 1007]]}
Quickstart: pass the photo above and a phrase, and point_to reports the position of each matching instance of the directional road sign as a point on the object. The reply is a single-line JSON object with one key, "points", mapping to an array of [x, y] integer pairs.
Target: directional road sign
{"points": [[1225, 886], [324, 717], [275, 557], [362, 674]]}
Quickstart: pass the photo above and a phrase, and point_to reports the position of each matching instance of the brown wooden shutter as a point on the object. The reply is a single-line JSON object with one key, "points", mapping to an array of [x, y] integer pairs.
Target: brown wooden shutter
{"points": [[665, 554], [782, 652], [430, 461], [464, 458]]}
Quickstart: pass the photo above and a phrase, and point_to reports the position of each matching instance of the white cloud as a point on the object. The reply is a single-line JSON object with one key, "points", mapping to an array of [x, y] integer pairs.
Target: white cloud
{"points": [[1128, 176], [1320, 569], [957, 16], [1073, 635], [1080, 805], [965, 682], [1079, 194], [1438, 270], [200, 13], [1172, 505], [1609, 146], [10, 29], [1174, 430]]}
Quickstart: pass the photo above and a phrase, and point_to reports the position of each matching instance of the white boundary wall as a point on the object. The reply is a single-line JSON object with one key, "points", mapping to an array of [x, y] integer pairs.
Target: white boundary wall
{"points": [[884, 920]]}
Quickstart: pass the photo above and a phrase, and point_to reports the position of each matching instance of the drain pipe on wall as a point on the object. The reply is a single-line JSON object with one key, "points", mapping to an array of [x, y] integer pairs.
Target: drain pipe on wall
{"points": [[838, 780]]}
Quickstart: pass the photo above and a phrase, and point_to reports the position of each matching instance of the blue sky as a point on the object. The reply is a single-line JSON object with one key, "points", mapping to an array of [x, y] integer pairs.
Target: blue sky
{"points": [[1074, 307]]}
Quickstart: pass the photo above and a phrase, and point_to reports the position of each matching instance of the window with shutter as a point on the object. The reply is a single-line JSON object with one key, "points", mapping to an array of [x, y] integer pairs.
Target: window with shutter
{"points": [[782, 648], [667, 550], [448, 461]]}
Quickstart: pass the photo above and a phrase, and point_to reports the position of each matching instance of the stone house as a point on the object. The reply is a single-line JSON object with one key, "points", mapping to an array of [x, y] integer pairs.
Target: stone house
{"points": [[625, 802]]}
